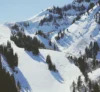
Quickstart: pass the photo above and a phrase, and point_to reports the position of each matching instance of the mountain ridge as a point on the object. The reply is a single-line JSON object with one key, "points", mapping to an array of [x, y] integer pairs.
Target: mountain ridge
{"points": [[66, 36]]}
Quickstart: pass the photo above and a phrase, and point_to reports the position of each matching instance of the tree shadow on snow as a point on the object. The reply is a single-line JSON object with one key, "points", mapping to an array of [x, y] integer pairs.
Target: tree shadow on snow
{"points": [[57, 76], [19, 77], [38, 58]]}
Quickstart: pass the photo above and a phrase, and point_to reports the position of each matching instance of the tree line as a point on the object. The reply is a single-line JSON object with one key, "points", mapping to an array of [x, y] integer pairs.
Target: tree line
{"points": [[11, 57], [7, 81], [27, 42], [84, 63], [51, 66], [85, 86]]}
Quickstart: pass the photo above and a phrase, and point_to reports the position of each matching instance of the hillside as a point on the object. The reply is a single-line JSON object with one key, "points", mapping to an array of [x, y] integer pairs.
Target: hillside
{"points": [[70, 35], [33, 73]]}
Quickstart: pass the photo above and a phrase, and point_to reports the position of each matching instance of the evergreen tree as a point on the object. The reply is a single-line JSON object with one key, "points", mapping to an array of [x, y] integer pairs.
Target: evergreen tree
{"points": [[91, 5], [99, 2], [90, 85], [48, 59], [8, 44], [82, 65], [96, 88], [50, 43], [16, 59], [7, 81], [74, 86], [36, 50], [51, 66], [87, 0], [95, 48], [86, 77], [27, 42], [79, 82], [54, 47], [7, 52]]}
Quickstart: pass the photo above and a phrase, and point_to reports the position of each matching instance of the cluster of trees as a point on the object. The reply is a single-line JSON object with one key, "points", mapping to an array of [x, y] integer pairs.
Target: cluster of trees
{"points": [[46, 19], [60, 35], [87, 0], [73, 6], [7, 81], [50, 43], [67, 7], [91, 5], [99, 2], [20, 26], [51, 66], [39, 32], [60, 11], [86, 64], [27, 42], [79, 1], [45, 36], [56, 10], [89, 86], [53, 45], [50, 18], [82, 62], [97, 17], [92, 50], [15, 27], [26, 24], [7, 51], [77, 18], [81, 8]]}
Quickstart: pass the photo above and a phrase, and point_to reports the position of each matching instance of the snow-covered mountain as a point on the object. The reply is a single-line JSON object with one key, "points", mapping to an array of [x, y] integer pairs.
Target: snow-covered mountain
{"points": [[33, 73], [54, 20], [62, 33]]}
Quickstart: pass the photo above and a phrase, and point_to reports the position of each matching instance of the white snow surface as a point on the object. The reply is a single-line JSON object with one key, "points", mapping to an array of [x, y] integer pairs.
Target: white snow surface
{"points": [[80, 34], [33, 73]]}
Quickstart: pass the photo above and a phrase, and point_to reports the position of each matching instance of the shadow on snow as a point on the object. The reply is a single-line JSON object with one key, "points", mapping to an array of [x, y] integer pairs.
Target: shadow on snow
{"points": [[38, 58], [19, 77], [57, 76]]}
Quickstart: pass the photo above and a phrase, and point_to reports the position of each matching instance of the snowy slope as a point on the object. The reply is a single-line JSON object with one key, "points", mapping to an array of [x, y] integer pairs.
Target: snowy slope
{"points": [[76, 30], [80, 34], [33, 73], [41, 79], [4, 34]]}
